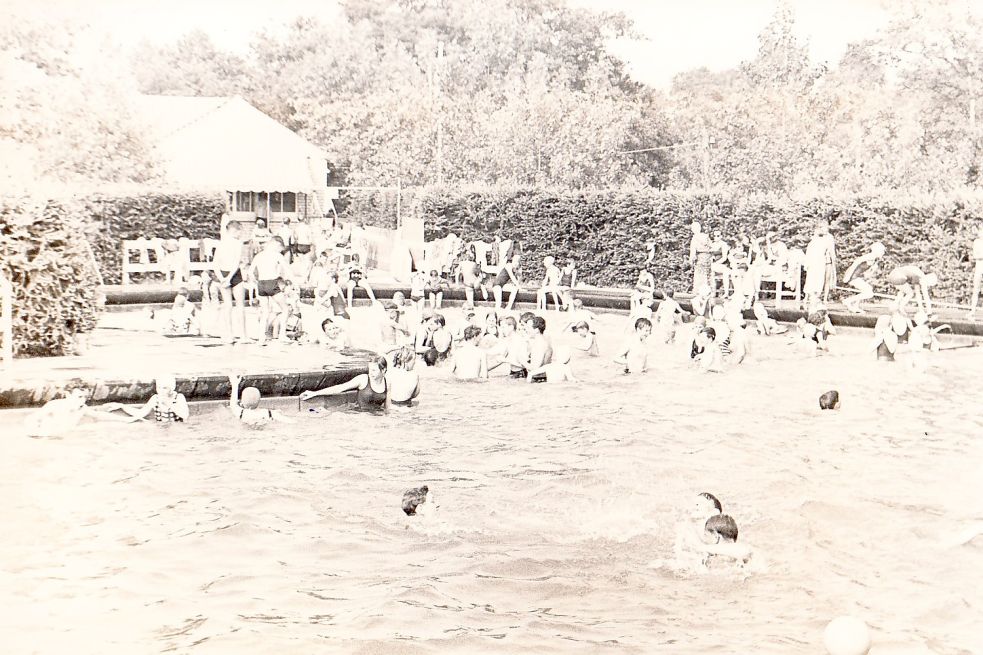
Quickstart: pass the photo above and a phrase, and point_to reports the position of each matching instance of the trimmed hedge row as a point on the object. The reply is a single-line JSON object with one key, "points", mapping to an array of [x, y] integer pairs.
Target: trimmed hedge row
{"points": [[44, 255], [113, 219], [606, 231]]}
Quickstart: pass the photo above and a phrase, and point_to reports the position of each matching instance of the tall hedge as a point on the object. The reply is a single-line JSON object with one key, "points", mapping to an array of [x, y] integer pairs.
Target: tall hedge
{"points": [[168, 215], [44, 254], [606, 232]]}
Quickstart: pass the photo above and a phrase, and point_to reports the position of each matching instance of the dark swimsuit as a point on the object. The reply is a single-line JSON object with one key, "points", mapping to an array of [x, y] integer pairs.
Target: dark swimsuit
{"points": [[368, 398], [236, 279], [267, 288], [502, 278], [883, 353], [566, 279]]}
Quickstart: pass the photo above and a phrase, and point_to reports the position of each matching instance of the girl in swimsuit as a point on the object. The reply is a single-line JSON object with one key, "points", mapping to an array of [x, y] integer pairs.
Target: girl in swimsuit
{"points": [[858, 276], [506, 279], [356, 278], [568, 280], [167, 405], [371, 389]]}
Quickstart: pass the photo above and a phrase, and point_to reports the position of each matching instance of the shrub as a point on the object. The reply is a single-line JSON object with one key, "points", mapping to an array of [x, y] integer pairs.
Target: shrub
{"points": [[112, 219], [45, 256], [606, 231]]}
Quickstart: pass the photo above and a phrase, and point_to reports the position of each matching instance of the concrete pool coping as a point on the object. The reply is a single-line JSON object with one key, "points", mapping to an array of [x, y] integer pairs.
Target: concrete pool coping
{"points": [[114, 372], [610, 298]]}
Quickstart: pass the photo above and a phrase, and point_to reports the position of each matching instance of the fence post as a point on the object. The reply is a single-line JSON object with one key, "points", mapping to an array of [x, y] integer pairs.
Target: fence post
{"points": [[7, 319]]}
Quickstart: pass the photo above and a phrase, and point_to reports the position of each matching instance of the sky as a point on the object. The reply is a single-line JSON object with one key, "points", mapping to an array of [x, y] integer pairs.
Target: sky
{"points": [[678, 35]]}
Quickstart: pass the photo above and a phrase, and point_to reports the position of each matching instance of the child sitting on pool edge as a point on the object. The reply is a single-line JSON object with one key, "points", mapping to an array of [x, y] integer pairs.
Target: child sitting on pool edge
{"points": [[247, 408]]}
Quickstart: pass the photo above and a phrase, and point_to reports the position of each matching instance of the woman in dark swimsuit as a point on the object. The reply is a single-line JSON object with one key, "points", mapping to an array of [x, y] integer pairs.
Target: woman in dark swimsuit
{"points": [[371, 389]]}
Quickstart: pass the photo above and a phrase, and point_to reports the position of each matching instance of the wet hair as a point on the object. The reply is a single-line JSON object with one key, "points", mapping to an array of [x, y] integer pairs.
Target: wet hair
{"points": [[439, 320], [710, 333], [713, 499], [722, 525], [510, 320], [430, 357], [525, 316], [642, 323], [403, 356], [538, 323], [381, 363], [261, 220], [669, 293], [583, 325], [326, 322], [472, 332], [829, 400]]}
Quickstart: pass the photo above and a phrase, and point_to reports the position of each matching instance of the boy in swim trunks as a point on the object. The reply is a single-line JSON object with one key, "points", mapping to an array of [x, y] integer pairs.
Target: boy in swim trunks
{"points": [[633, 355], [859, 275], [470, 361], [512, 349], [333, 334], [356, 278], [549, 285], [644, 293], [911, 282], [226, 263], [471, 277], [269, 269]]}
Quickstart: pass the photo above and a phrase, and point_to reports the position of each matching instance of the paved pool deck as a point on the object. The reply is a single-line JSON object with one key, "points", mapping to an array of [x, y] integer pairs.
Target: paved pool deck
{"points": [[124, 354]]}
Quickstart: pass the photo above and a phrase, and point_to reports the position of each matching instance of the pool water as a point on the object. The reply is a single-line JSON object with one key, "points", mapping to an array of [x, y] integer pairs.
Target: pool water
{"points": [[551, 503]]}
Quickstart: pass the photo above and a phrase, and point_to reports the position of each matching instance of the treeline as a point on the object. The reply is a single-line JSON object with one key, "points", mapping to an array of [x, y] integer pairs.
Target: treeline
{"points": [[527, 93]]}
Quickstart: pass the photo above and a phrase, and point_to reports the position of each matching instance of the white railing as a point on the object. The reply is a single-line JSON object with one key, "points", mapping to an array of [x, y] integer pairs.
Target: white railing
{"points": [[6, 320], [177, 264]]}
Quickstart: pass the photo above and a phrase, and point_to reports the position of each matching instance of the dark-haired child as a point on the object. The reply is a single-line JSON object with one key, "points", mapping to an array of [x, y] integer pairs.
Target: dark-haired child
{"points": [[633, 355]]}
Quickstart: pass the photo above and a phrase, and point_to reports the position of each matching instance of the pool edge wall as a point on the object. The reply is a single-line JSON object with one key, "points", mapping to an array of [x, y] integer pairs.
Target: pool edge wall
{"points": [[595, 298], [207, 386]]}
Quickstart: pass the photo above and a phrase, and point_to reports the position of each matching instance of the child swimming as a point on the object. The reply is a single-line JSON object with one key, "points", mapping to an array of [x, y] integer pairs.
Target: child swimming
{"points": [[470, 361], [830, 400], [633, 355], [247, 408], [60, 416], [167, 405]]}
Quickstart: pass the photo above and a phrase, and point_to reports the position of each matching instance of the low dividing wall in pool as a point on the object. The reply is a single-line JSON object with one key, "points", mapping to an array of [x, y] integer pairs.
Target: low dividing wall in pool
{"points": [[32, 392], [599, 298]]}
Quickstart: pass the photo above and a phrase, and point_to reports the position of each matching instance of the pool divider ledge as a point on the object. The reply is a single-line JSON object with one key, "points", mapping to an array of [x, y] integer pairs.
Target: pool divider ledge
{"points": [[208, 386], [593, 297]]}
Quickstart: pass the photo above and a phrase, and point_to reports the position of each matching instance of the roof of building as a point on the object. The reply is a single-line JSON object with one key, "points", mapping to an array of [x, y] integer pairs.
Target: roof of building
{"points": [[226, 144]]}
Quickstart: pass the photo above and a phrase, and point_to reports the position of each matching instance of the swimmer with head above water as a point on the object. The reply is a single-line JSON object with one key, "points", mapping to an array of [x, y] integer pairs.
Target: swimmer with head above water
{"points": [[167, 405], [633, 355], [247, 408], [705, 532], [557, 370], [61, 415]]}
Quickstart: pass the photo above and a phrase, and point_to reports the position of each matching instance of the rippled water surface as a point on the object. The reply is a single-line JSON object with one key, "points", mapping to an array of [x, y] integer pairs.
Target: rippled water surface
{"points": [[553, 500]]}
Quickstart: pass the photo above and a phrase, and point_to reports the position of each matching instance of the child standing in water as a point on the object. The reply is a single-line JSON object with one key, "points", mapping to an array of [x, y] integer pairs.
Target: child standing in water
{"points": [[667, 316], [706, 352], [557, 370], [634, 354], [586, 339]]}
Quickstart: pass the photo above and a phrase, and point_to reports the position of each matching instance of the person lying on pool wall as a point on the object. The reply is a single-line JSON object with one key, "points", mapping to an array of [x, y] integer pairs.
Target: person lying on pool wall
{"points": [[633, 355]]}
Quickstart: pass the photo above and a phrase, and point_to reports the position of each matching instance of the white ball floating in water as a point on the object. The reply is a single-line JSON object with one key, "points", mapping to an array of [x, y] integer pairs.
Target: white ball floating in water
{"points": [[846, 635]]}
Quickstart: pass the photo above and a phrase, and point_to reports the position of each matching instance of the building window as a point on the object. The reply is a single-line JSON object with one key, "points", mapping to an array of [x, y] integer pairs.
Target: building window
{"points": [[283, 202], [244, 201]]}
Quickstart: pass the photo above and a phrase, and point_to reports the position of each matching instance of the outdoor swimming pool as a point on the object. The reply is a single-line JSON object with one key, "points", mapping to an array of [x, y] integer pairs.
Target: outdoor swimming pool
{"points": [[553, 499]]}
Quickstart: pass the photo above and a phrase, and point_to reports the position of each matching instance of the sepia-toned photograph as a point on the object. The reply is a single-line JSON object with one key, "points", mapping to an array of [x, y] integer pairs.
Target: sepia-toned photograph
{"points": [[417, 327]]}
